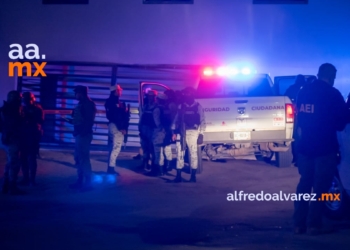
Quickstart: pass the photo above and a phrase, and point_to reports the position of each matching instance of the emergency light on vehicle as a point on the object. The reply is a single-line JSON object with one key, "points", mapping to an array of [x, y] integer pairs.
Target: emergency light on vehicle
{"points": [[289, 113], [226, 71]]}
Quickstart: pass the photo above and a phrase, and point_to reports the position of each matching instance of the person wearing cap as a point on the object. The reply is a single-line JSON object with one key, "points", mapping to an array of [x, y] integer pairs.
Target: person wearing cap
{"points": [[32, 131], [118, 115], [321, 112], [11, 124], [83, 118], [189, 127], [146, 128]]}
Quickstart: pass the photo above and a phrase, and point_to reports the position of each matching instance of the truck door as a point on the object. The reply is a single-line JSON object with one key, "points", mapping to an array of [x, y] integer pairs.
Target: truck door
{"points": [[145, 87]]}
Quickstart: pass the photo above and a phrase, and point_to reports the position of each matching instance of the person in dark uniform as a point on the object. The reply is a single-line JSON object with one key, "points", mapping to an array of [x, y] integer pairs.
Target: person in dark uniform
{"points": [[146, 129], [292, 93], [83, 121], [118, 116], [321, 112], [32, 130], [168, 114], [11, 124], [293, 90]]}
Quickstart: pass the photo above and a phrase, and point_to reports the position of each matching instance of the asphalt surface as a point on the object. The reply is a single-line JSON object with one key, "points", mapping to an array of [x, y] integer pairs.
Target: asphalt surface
{"points": [[134, 211]]}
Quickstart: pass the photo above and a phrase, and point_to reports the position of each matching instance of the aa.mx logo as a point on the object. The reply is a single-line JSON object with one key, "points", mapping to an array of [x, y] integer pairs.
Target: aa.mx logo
{"points": [[31, 53]]}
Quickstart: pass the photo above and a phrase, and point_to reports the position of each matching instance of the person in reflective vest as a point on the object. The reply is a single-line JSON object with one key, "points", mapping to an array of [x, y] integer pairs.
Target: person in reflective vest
{"points": [[189, 126]]}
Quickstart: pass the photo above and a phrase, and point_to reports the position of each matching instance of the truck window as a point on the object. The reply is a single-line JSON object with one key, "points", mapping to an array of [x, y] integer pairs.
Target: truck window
{"points": [[224, 87]]}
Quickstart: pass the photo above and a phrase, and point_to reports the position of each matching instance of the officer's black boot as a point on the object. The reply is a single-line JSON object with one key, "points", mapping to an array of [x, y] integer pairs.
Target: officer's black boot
{"points": [[32, 176], [25, 181], [144, 165], [5, 186], [167, 166], [178, 176], [154, 171], [193, 175], [14, 190], [78, 184], [87, 186], [161, 171], [110, 170]]}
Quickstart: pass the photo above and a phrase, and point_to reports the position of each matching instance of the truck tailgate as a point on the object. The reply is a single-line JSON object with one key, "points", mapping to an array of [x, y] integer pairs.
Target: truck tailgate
{"points": [[244, 113]]}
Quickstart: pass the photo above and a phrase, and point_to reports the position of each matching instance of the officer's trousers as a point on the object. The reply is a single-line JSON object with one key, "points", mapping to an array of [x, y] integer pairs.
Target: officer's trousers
{"points": [[146, 143], [13, 162], [116, 141], [191, 142], [82, 153], [28, 160], [316, 175]]}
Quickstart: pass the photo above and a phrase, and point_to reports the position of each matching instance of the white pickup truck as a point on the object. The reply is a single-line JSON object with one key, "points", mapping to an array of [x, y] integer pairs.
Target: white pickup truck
{"points": [[245, 115]]}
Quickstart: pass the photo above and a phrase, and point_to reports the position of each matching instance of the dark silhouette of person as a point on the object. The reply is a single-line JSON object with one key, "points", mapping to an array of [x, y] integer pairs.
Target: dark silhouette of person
{"points": [[31, 134], [11, 124], [321, 112]]}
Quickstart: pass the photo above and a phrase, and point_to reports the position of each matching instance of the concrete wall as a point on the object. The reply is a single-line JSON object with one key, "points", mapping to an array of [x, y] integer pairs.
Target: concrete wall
{"points": [[277, 39]]}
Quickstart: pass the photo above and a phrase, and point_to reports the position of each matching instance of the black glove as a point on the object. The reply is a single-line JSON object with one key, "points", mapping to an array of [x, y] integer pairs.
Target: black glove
{"points": [[200, 139]]}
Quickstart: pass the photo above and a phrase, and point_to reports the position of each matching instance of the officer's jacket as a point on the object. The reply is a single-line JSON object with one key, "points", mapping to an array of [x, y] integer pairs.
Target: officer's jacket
{"points": [[117, 113], [321, 112], [84, 117], [167, 114], [150, 116], [33, 118], [192, 116]]}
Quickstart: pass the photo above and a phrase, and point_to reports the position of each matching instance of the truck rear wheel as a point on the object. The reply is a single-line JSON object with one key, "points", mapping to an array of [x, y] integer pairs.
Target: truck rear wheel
{"points": [[265, 156], [284, 159]]}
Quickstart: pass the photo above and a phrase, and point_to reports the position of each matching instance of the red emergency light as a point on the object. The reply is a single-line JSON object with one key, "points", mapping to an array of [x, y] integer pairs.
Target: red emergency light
{"points": [[289, 113]]}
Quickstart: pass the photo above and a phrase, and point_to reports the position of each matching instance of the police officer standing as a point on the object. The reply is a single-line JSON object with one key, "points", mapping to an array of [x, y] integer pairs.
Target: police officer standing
{"points": [[83, 120], [190, 126], [168, 114], [293, 90], [32, 130], [118, 116], [321, 112], [146, 128], [11, 123]]}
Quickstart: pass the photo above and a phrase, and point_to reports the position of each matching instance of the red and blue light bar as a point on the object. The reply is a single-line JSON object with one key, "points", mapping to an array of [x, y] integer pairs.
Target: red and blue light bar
{"points": [[226, 71]]}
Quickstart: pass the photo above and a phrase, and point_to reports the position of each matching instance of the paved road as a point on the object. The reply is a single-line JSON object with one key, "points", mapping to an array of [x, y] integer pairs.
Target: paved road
{"points": [[133, 211]]}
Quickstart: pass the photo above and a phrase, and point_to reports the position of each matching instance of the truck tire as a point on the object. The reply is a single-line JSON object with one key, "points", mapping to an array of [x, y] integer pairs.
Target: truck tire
{"points": [[264, 156], [337, 210], [284, 159]]}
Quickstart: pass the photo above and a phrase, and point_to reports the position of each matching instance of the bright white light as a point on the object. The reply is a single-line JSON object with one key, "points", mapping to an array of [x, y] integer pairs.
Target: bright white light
{"points": [[208, 72], [233, 71], [246, 71], [222, 71]]}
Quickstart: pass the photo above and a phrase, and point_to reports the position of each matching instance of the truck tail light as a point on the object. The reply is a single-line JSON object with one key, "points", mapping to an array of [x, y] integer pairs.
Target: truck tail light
{"points": [[289, 113]]}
